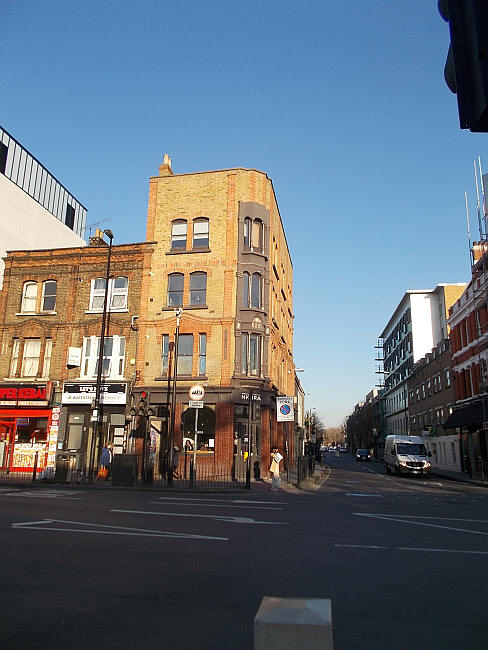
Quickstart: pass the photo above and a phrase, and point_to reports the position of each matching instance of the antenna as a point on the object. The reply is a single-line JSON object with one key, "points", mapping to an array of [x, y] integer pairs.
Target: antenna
{"points": [[483, 196], [97, 223], [471, 260], [478, 206]]}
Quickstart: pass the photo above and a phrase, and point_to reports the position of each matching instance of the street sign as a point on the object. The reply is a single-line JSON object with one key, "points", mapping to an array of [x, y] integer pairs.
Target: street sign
{"points": [[195, 404], [196, 392]]}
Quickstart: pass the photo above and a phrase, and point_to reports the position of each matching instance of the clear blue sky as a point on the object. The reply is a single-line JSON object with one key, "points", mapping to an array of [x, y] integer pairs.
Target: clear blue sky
{"points": [[343, 104]]}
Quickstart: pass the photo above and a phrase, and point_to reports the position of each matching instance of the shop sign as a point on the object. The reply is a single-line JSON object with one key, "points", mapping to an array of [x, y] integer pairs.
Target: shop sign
{"points": [[74, 357], [24, 395], [85, 393], [284, 409]]}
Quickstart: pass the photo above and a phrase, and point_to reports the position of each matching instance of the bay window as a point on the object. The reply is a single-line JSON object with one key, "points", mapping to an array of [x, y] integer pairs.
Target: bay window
{"points": [[251, 348]]}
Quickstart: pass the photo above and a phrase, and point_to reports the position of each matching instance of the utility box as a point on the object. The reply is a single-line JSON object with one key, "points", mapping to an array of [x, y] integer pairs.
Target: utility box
{"points": [[124, 469], [291, 623]]}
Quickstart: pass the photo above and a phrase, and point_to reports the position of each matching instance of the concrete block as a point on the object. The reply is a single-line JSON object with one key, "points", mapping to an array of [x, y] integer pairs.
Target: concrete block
{"points": [[291, 623]]}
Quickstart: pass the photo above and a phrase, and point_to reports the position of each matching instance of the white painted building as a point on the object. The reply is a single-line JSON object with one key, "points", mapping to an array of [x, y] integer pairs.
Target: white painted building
{"points": [[36, 211], [416, 326]]}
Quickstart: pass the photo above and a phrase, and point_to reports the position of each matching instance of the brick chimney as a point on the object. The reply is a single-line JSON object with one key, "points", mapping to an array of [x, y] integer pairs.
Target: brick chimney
{"points": [[97, 239], [165, 168], [479, 249]]}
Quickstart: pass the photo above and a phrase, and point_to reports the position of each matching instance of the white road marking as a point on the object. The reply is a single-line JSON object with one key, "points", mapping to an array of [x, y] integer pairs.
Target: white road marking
{"points": [[38, 494], [352, 494], [232, 520], [185, 499], [214, 505], [406, 548], [417, 523], [108, 530]]}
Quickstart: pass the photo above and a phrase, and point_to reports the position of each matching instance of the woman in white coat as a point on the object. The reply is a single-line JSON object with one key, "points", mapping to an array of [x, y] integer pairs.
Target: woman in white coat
{"points": [[274, 469]]}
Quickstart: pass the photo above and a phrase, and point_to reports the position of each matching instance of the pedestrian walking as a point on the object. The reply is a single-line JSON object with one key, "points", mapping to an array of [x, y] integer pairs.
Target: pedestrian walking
{"points": [[274, 469], [105, 461], [176, 460]]}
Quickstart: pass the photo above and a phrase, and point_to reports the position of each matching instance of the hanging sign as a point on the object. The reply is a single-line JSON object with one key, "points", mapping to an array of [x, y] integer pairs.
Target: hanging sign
{"points": [[284, 409]]}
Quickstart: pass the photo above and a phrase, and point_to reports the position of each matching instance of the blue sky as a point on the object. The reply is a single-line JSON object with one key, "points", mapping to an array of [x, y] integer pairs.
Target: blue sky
{"points": [[343, 104]]}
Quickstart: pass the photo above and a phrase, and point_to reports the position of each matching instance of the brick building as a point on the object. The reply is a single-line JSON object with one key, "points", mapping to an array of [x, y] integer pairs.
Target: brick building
{"points": [[50, 322], [430, 402], [468, 321], [221, 256]]}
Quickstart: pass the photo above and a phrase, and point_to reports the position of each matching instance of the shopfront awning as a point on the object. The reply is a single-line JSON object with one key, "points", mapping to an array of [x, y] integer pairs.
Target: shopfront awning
{"points": [[470, 415]]}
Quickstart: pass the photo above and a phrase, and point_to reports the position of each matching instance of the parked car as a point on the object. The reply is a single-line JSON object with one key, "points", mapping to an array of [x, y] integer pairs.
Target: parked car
{"points": [[363, 454]]}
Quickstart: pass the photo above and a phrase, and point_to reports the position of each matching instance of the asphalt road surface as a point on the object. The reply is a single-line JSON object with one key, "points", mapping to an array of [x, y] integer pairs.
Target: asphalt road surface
{"points": [[403, 559]]}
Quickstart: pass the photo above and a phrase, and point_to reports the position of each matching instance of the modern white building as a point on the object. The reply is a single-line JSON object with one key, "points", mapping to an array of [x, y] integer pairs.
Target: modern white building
{"points": [[36, 211], [416, 326]]}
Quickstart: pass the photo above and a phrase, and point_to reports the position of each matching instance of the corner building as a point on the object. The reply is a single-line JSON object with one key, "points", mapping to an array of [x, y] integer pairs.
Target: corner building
{"points": [[220, 254]]}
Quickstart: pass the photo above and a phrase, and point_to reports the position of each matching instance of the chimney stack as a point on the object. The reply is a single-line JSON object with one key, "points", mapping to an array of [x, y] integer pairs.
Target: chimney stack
{"points": [[165, 168]]}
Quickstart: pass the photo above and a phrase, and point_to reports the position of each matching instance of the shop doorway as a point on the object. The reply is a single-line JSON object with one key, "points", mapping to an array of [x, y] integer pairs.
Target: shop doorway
{"points": [[7, 441]]}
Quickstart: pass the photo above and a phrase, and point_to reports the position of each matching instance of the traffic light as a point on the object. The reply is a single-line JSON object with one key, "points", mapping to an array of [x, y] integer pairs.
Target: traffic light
{"points": [[144, 404], [466, 69], [141, 404]]}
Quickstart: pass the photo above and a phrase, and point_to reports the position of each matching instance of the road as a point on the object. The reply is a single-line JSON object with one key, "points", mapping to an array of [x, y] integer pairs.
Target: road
{"points": [[403, 559]]}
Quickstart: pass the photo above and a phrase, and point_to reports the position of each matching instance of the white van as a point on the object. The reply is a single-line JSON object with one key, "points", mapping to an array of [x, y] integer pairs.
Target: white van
{"points": [[406, 455]]}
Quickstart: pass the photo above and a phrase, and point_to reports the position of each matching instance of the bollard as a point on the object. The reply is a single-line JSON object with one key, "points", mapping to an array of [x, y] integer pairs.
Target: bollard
{"points": [[291, 623]]}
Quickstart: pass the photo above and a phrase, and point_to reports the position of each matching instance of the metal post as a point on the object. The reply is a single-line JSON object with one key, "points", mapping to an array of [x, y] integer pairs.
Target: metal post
{"points": [[249, 450], [178, 313], [36, 460], [195, 444], [96, 411]]}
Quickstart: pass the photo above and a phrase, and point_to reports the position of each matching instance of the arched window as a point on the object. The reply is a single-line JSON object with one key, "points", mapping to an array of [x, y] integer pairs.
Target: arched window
{"points": [[29, 297], [247, 232], [200, 233], [49, 290], [198, 289], [245, 289], [257, 236], [175, 290], [178, 234], [256, 291]]}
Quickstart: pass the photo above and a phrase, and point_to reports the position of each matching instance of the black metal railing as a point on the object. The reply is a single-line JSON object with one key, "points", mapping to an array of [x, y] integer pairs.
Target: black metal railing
{"points": [[305, 467]]}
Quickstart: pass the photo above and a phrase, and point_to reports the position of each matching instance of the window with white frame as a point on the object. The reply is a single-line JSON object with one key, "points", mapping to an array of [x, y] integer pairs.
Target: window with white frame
{"points": [[113, 357], [29, 297], [118, 289], [49, 290], [200, 233], [30, 357], [14, 360], [46, 366], [178, 234]]}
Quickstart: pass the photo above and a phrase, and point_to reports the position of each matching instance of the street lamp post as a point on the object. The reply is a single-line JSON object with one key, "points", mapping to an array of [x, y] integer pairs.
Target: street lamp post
{"points": [[178, 313], [96, 412]]}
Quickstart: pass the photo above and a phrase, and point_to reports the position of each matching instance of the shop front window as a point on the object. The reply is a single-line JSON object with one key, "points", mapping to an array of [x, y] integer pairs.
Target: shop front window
{"points": [[205, 424], [31, 430]]}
